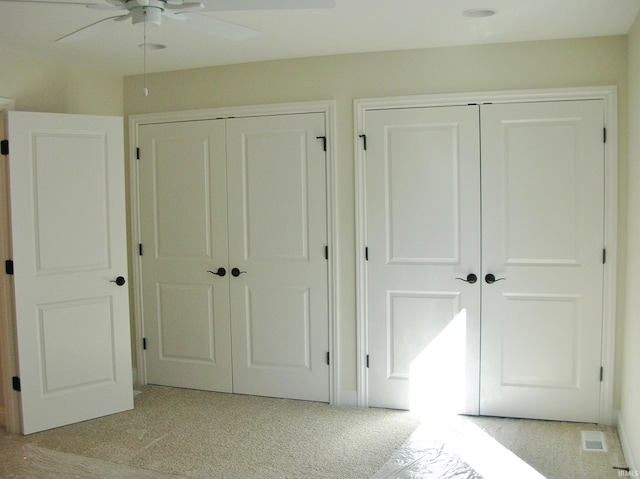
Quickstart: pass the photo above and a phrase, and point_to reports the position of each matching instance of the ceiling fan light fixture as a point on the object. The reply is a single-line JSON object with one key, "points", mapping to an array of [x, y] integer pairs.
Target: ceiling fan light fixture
{"points": [[479, 13]]}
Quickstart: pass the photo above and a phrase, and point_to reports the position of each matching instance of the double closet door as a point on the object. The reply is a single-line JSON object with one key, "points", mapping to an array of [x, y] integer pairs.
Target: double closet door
{"points": [[234, 274], [484, 234]]}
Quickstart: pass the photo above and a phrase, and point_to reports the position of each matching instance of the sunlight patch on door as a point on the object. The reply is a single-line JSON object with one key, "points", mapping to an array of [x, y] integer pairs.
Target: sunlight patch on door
{"points": [[438, 374]]}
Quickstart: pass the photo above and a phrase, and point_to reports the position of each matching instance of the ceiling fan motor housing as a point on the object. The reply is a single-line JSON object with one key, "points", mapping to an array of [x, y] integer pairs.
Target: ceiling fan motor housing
{"points": [[147, 13]]}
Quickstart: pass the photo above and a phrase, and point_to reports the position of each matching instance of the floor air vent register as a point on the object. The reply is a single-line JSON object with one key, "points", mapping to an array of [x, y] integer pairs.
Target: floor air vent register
{"points": [[593, 441]]}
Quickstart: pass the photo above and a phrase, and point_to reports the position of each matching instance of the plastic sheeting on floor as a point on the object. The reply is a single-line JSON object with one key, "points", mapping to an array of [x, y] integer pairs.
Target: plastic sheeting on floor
{"points": [[426, 459], [454, 447]]}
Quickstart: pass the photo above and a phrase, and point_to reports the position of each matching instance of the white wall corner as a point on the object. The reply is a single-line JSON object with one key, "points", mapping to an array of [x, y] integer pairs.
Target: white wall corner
{"points": [[624, 441]]}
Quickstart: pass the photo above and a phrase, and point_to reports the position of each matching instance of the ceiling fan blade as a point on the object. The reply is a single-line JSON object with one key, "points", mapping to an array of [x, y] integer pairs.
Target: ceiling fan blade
{"points": [[41, 2], [94, 28], [235, 5], [213, 26], [184, 6], [110, 8]]}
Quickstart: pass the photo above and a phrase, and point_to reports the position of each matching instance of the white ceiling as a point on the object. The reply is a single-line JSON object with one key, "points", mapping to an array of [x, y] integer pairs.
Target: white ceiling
{"points": [[352, 26]]}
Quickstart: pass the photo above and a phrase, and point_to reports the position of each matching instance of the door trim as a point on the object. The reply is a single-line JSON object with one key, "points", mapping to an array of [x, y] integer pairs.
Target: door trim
{"points": [[328, 108], [609, 96], [10, 415]]}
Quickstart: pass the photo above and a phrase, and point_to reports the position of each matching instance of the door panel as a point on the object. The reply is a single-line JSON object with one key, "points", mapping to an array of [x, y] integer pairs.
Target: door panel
{"points": [[527, 319], [189, 338], [278, 226], [60, 162], [69, 245], [183, 211], [423, 232], [279, 344], [418, 159], [89, 322], [275, 190], [543, 220]]}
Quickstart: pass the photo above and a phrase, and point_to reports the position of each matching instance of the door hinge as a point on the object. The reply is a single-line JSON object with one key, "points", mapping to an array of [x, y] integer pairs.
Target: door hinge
{"points": [[324, 142], [604, 135], [137, 153], [367, 361], [364, 141], [604, 256], [328, 357], [8, 266], [140, 249], [4, 147], [144, 343], [15, 383], [326, 252], [601, 373], [366, 253]]}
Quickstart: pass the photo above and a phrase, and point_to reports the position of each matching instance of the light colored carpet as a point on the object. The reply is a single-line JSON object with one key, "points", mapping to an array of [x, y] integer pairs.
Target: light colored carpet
{"points": [[183, 434], [196, 434]]}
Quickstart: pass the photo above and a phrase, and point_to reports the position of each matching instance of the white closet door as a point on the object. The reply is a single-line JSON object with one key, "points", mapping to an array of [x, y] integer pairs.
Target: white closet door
{"points": [[423, 240], [183, 222], [278, 233], [69, 246], [542, 213]]}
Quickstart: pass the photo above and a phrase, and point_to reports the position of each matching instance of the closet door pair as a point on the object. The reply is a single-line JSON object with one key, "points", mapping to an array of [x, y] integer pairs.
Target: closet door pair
{"points": [[484, 274], [233, 228]]}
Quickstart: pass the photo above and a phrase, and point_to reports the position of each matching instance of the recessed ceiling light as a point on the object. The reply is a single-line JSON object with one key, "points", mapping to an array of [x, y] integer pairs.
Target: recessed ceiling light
{"points": [[152, 46], [479, 13]]}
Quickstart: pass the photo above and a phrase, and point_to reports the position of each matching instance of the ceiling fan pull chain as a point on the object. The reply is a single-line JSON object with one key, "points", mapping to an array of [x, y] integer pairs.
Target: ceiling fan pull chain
{"points": [[144, 54]]}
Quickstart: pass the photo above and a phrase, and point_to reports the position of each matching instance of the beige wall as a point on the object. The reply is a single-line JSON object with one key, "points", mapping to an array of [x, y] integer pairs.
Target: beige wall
{"points": [[40, 85], [553, 64], [37, 84], [630, 365]]}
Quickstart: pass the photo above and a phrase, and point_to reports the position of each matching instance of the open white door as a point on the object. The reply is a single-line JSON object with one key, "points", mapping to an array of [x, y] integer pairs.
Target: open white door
{"points": [[69, 247]]}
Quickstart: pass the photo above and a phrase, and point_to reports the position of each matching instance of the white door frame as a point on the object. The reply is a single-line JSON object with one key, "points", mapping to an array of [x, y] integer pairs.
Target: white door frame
{"points": [[329, 110], [10, 409], [609, 96]]}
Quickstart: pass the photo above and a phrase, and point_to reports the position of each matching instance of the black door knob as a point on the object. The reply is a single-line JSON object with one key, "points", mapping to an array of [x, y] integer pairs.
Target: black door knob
{"points": [[236, 272], [119, 280], [219, 272], [490, 278], [471, 278]]}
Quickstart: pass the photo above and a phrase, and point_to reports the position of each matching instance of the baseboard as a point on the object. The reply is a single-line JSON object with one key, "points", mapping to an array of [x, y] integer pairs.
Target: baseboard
{"points": [[626, 446], [347, 398]]}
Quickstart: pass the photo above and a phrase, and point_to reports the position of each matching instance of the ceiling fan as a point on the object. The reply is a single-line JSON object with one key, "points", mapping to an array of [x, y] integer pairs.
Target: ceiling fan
{"points": [[186, 12]]}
